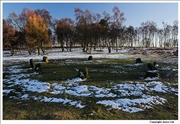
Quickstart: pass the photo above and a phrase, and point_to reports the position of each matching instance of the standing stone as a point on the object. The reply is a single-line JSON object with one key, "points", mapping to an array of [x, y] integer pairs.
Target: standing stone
{"points": [[83, 73], [154, 64], [138, 60], [32, 63], [38, 67], [151, 66], [45, 59], [86, 72], [152, 71], [90, 58]]}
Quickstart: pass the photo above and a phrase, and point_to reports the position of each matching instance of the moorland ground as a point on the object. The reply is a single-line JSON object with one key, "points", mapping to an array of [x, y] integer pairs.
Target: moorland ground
{"points": [[114, 90]]}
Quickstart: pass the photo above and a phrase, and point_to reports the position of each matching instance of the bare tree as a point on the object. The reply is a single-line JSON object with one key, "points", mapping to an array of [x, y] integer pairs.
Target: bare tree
{"points": [[130, 33], [167, 34], [64, 32], [175, 34], [9, 37], [84, 21], [117, 21], [152, 32]]}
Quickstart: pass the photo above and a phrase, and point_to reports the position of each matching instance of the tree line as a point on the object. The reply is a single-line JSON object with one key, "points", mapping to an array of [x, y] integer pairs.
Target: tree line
{"points": [[37, 30]]}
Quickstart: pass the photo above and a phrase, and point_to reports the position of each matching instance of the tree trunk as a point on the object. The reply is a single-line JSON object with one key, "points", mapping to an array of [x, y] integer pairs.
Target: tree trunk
{"points": [[42, 50], [29, 51], [12, 52], [84, 48], [116, 46], [38, 51], [71, 45], [109, 49]]}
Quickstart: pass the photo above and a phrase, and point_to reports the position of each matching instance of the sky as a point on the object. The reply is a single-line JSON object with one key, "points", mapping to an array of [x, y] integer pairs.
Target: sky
{"points": [[134, 12]]}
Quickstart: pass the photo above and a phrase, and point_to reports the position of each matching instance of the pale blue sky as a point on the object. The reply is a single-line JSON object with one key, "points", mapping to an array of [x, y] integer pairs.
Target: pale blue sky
{"points": [[135, 13]]}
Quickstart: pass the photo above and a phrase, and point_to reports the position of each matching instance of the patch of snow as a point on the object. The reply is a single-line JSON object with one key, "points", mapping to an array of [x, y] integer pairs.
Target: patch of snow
{"points": [[135, 64], [153, 71], [173, 90], [129, 105], [25, 96], [151, 79], [71, 92], [46, 99], [79, 105], [165, 69], [157, 65], [64, 101], [156, 86], [57, 86], [81, 89], [175, 69], [101, 95], [74, 81], [35, 86], [6, 91]]}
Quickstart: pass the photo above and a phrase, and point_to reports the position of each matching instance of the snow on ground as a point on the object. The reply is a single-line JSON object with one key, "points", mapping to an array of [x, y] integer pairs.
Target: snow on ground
{"points": [[77, 53], [57, 54], [153, 78], [118, 92], [127, 105]]}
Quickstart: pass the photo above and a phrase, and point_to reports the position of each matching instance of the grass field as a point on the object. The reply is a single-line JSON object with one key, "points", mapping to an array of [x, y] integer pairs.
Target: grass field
{"points": [[115, 90]]}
